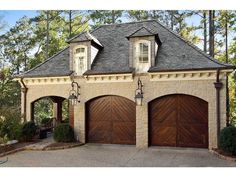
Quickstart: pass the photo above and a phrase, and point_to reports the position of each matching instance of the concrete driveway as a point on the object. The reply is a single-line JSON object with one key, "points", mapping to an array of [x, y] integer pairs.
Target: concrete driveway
{"points": [[91, 155]]}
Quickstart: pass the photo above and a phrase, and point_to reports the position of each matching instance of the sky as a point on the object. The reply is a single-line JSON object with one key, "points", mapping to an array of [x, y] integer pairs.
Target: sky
{"points": [[11, 16]]}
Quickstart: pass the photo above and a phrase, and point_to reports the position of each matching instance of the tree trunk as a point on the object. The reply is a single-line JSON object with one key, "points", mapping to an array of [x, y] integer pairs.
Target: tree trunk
{"points": [[47, 36], [205, 31], [227, 82], [172, 20], [70, 23], [113, 16], [211, 32]]}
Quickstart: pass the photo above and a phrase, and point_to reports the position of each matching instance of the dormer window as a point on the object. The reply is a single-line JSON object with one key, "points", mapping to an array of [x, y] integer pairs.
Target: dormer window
{"points": [[142, 55], [80, 59], [143, 52]]}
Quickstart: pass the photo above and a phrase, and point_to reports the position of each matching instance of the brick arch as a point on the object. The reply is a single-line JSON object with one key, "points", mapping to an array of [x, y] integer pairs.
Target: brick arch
{"points": [[57, 107]]}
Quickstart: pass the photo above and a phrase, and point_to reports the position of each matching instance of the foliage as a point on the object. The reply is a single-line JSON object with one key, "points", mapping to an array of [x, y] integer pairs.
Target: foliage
{"points": [[65, 111], [10, 123], [29, 131], [43, 109], [45, 121], [63, 133], [100, 17], [228, 139], [4, 140]]}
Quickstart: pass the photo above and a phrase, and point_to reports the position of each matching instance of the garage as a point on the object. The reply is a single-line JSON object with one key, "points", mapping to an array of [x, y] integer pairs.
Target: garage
{"points": [[111, 120], [178, 120]]}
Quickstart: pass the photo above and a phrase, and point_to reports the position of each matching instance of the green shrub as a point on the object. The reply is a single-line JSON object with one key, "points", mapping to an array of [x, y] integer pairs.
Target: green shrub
{"points": [[63, 133], [228, 139], [65, 120], [45, 121], [10, 123], [29, 130]]}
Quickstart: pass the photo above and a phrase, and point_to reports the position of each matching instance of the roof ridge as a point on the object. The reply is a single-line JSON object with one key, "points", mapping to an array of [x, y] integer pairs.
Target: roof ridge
{"points": [[114, 24], [45, 61], [77, 35], [139, 30], [191, 45]]}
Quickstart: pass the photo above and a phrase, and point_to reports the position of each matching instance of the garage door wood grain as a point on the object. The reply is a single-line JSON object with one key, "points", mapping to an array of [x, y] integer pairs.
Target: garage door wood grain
{"points": [[111, 120], [178, 120]]}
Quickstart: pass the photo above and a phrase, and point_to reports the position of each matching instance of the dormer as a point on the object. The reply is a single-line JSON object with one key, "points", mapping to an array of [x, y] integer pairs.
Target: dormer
{"points": [[83, 50], [143, 48]]}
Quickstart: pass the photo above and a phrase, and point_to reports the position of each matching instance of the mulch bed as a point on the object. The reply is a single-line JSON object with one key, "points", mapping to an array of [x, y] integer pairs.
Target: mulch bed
{"points": [[60, 145], [227, 154], [12, 147]]}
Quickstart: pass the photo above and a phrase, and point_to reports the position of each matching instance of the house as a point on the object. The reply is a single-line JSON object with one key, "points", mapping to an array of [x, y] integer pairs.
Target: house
{"points": [[179, 90]]}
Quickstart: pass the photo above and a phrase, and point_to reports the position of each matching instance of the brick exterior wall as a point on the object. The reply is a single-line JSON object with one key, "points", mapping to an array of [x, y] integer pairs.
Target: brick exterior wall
{"points": [[203, 89]]}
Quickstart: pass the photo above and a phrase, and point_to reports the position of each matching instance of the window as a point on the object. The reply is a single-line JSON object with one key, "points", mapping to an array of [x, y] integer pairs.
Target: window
{"points": [[143, 53], [79, 50], [80, 60]]}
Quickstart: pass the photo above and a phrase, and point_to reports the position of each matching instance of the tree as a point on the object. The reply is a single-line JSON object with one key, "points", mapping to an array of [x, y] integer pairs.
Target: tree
{"points": [[75, 22], [100, 17], [16, 44], [138, 15], [211, 33]]}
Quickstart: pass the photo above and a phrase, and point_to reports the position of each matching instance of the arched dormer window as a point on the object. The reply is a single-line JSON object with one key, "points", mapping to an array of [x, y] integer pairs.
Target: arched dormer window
{"points": [[80, 59], [142, 55]]}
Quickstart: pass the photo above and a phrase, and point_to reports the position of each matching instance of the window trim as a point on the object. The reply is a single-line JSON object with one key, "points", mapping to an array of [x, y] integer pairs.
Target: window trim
{"points": [[77, 56], [138, 53]]}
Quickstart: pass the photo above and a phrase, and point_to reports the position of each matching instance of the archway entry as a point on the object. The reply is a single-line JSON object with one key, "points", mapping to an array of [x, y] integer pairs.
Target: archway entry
{"points": [[50, 107], [178, 120], [111, 120]]}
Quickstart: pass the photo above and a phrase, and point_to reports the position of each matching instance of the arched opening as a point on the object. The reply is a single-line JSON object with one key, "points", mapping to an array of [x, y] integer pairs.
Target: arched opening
{"points": [[52, 107], [178, 120], [111, 119]]}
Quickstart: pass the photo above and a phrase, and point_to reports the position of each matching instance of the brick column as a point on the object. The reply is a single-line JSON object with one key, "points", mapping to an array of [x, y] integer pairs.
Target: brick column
{"points": [[142, 126], [57, 108]]}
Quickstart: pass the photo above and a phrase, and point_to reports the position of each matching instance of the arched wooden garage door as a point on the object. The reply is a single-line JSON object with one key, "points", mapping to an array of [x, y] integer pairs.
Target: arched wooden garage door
{"points": [[111, 120], [178, 120]]}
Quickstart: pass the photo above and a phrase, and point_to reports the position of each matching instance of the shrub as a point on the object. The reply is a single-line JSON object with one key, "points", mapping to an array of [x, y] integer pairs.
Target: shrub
{"points": [[45, 121], [228, 139], [10, 123], [63, 133], [65, 120], [29, 130]]}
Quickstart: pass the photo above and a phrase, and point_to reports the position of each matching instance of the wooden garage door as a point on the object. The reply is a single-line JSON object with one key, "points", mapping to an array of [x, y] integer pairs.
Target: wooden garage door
{"points": [[111, 120], [178, 120]]}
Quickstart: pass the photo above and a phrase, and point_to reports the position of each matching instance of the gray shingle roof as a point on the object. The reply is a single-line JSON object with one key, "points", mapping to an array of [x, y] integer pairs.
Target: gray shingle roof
{"points": [[174, 53], [84, 36], [57, 65], [142, 32]]}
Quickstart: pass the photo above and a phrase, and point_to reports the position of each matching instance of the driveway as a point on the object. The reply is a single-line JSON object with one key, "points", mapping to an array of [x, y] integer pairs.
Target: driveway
{"points": [[91, 155]]}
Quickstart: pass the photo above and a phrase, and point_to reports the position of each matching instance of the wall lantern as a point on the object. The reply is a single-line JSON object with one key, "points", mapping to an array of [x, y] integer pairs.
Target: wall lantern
{"points": [[74, 93], [139, 93]]}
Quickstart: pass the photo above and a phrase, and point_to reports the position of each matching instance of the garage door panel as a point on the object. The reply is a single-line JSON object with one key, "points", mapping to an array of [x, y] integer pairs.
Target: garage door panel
{"points": [[123, 110], [187, 115], [100, 110], [163, 136], [111, 119], [99, 132], [123, 133], [192, 110], [193, 136]]}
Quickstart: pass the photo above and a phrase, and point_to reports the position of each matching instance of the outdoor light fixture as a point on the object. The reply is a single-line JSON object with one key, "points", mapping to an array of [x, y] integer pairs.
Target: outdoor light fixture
{"points": [[74, 93], [139, 93]]}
